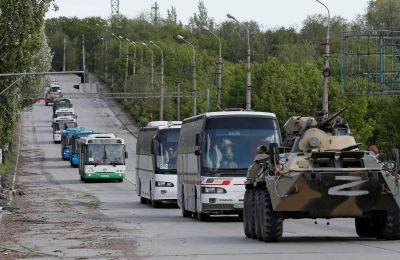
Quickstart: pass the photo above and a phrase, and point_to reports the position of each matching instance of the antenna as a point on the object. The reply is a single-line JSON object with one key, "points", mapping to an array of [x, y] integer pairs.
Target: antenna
{"points": [[155, 15], [115, 13]]}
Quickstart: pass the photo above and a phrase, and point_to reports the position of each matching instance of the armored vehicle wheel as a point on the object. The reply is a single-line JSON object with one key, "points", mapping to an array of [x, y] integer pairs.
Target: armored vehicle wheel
{"points": [[272, 222], [249, 216], [365, 227], [258, 215], [389, 225]]}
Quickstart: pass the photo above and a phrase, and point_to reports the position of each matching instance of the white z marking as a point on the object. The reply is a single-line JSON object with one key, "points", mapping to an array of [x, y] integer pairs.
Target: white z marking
{"points": [[355, 181]]}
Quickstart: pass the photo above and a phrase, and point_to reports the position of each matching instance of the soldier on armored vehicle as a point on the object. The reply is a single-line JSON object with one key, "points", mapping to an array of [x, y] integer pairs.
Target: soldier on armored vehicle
{"points": [[325, 175]]}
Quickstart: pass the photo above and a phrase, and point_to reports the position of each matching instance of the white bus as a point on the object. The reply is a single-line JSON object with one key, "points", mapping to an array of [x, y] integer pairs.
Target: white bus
{"points": [[156, 153], [60, 124], [102, 157], [215, 150]]}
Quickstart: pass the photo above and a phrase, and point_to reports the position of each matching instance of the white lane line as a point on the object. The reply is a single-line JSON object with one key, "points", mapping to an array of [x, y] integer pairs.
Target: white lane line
{"points": [[16, 160]]}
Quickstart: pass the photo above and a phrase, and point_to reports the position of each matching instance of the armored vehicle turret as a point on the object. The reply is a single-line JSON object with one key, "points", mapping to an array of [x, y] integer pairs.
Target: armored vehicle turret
{"points": [[325, 175]]}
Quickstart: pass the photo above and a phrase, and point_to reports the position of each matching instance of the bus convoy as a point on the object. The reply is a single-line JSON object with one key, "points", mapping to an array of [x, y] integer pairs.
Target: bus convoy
{"points": [[199, 164], [98, 156], [233, 162]]}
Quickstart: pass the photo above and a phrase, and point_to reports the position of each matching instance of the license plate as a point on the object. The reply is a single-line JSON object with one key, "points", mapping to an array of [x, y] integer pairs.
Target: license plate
{"points": [[238, 205], [105, 175]]}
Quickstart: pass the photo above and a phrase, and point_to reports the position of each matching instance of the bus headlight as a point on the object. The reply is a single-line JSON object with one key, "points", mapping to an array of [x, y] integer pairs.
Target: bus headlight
{"points": [[164, 184], [217, 190]]}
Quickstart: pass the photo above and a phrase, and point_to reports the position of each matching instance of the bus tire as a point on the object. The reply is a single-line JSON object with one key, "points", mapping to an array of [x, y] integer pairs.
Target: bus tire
{"points": [[203, 216], [272, 221], [155, 203], [185, 213], [82, 178], [143, 200]]}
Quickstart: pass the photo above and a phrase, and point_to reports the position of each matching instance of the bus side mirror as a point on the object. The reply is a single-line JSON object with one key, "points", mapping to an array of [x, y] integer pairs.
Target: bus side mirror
{"points": [[126, 155], [197, 152], [198, 139]]}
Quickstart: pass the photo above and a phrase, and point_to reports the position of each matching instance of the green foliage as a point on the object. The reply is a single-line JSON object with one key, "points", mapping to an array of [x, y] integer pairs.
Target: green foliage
{"points": [[23, 48], [286, 66]]}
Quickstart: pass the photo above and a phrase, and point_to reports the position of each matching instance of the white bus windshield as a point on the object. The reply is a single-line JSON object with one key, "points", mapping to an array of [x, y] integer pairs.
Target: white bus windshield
{"points": [[167, 152], [106, 154], [229, 144], [60, 126]]}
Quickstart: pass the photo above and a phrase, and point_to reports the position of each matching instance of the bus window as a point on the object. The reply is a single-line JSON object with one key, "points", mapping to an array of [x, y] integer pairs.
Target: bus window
{"points": [[167, 154], [230, 143], [114, 154]]}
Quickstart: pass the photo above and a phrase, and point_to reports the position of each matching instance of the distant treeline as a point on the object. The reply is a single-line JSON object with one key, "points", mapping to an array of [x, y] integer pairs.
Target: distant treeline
{"points": [[286, 64]]}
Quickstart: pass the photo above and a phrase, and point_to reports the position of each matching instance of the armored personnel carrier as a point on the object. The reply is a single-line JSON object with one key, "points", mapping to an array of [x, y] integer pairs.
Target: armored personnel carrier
{"points": [[325, 175]]}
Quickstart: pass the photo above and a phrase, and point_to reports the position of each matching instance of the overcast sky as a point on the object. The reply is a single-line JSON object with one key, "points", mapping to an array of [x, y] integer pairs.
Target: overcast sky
{"points": [[268, 13]]}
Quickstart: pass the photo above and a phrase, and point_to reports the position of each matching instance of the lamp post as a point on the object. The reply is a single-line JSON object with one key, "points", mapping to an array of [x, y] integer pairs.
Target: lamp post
{"points": [[178, 101], [152, 66], [162, 82], [126, 72], [105, 50], [83, 58], [118, 38], [327, 71], [194, 87], [134, 54], [248, 72], [219, 68]]}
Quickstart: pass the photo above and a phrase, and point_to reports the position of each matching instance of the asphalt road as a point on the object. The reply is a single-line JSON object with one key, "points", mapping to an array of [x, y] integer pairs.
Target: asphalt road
{"points": [[163, 233]]}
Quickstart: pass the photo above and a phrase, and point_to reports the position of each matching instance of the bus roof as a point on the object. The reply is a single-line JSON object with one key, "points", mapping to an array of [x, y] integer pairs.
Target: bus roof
{"points": [[164, 124], [64, 118], [102, 138], [73, 130], [230, 113]]}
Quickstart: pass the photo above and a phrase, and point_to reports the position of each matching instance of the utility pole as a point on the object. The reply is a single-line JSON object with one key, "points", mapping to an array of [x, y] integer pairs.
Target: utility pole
{"points": [[152, 66], [65, 49], [155, 7], [106, 63], [219, 68], [162, 82], [194, 75], [126, 72], [115, 13], [327, 71], [83, 56], [178, 101], [248, 71]]}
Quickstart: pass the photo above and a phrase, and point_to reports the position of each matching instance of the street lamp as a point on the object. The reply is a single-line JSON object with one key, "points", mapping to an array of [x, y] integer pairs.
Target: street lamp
{"points": [[194, 88], [327, 71], [118, 38], [219, 69], [162, 82], [152, 66], [105, 50], [134, 54], [248, 73]]}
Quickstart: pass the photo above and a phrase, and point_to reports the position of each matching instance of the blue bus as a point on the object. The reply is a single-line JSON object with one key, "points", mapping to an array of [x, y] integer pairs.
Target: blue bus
{"points": [[74, 150], [66, 140]]}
